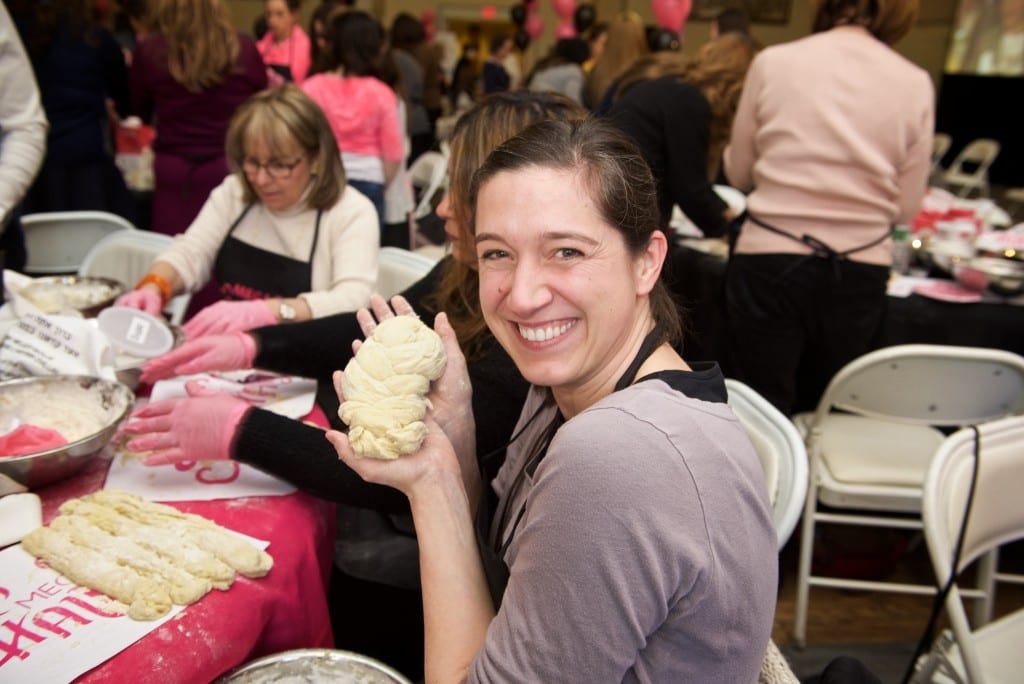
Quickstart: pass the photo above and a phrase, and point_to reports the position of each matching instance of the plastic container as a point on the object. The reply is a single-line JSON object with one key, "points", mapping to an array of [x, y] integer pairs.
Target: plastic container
{"points": [[136, 332], [901, 250]]}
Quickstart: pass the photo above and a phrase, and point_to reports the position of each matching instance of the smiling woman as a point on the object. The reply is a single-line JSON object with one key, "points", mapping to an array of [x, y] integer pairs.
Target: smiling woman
{"points": [[628, 473], [283, 235]]}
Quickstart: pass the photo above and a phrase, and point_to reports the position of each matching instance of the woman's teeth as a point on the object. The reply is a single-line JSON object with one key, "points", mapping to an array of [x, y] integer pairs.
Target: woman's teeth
{"points": [[546, 333]]}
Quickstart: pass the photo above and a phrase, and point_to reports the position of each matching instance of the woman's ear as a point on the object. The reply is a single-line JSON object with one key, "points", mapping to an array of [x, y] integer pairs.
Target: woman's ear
{"points": [[649, 263]]}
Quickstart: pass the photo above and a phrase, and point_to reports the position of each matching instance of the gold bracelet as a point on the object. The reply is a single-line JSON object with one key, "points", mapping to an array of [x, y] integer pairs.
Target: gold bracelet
{"points": [[161, 284]]}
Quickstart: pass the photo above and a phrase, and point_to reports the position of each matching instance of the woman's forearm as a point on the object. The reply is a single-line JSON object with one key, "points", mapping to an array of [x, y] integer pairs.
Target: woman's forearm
{"points": [[457, 605]]}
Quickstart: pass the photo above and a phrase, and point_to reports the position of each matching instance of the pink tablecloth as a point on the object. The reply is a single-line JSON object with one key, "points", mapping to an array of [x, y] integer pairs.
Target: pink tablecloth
{"points": [[287, 609]]}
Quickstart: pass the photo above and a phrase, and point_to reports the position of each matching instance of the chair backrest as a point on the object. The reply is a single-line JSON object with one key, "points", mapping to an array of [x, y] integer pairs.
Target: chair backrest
{"points": [[940, 146], [782, 453], [400, 268], [57, 241], [126, 256], [996, 518], [980, 153], [928, 384], [428, 174]]}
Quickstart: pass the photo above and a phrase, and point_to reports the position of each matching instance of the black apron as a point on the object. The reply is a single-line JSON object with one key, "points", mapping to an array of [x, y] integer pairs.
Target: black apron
{"points": [[246, 272], [492, 546], [819, 248], [282, 70]]}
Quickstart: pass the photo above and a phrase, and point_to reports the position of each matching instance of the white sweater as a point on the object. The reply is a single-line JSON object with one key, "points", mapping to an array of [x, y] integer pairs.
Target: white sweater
{"points": [[344, 269]]}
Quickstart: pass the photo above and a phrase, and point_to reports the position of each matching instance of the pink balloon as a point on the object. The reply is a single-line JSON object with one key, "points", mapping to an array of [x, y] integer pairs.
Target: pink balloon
{"points": [[564, 8], [565, 29], [534, 25], [671, 14]]}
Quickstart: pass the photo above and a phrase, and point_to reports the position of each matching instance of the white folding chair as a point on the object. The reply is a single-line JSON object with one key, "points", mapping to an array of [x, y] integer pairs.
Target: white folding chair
{"points": [[969, 170], [874, 434], [940, 146], [126, 256], [782, 454], [966, 653], [57, 241], [428, 174], [399, 268]]}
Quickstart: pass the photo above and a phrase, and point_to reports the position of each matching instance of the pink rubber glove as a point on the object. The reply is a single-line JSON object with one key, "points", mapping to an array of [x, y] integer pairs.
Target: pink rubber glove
{"points": [[193, 428], [225, 317], [211, 353], [142, 299]]}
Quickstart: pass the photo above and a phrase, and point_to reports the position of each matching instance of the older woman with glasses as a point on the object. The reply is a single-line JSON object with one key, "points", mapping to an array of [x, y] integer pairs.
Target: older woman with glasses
{"points": [[284, 237]]}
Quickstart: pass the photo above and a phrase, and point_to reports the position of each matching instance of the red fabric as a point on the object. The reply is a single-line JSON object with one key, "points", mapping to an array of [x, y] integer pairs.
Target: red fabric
{"points": [[285, 610], [29, 439]]}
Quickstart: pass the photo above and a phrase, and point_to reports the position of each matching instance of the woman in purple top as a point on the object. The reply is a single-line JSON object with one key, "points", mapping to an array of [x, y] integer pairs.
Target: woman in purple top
{"points": [[188, 77]]}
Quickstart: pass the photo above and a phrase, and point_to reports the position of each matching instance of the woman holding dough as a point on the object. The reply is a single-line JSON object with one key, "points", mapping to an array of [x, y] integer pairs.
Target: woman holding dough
{"points": [[633, 537], [283, 237]]}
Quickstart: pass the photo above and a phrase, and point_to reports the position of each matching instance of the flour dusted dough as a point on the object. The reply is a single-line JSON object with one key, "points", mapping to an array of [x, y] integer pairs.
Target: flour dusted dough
{"points": [[146, 555], [385, 386], [146, 599]]}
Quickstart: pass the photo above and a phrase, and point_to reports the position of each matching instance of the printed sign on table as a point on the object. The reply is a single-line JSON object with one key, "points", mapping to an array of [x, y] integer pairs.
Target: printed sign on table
{"points": [[52, 630]]}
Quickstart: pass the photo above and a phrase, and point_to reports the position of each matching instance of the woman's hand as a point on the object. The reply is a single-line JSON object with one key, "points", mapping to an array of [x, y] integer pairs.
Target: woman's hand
{"points": [[142, 299], [226, 317], [211, 353], [199, 427]]}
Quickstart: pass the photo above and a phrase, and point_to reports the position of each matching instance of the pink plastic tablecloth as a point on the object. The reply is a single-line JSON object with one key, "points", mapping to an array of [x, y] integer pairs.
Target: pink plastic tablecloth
{"points": [[285, 610]]}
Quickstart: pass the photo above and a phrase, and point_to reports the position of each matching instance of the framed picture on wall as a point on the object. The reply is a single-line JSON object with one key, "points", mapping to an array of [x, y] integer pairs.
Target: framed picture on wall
{"points": [[759, 11]]}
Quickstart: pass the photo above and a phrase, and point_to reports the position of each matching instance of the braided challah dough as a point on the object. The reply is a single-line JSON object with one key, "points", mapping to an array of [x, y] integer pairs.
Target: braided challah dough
{"points": [[385, 386]]}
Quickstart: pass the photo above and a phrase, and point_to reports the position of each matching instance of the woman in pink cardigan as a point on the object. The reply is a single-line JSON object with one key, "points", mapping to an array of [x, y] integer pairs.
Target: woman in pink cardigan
{"points": [[285, 46], [832, 139], [361, 108]]}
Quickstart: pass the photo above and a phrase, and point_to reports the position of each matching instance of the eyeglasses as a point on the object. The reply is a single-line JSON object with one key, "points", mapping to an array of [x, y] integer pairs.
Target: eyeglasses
{"points": [[278, 169]]}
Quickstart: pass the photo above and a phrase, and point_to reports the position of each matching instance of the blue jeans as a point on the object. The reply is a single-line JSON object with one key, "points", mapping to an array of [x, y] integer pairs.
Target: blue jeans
{"points": [[375, 191]]}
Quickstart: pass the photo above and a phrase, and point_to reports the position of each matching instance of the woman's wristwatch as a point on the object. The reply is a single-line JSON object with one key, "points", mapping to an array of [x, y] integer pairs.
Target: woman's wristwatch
{"points": [[286, 312]]}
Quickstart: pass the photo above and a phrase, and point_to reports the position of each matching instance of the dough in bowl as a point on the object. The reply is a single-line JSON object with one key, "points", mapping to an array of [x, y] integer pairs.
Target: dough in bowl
{"points": [[385, 387]]}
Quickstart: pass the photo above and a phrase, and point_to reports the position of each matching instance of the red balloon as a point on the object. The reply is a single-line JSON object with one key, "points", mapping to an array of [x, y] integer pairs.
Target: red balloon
{"points": [[564, 8], [534, 25]]}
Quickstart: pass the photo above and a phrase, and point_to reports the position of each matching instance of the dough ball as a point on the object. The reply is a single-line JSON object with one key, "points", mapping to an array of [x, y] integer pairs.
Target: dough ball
{"points": [[385, 387]]}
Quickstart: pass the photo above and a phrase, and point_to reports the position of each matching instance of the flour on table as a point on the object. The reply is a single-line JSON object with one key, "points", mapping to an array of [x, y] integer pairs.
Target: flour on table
{"points": [[145, 555], [385, 386]]}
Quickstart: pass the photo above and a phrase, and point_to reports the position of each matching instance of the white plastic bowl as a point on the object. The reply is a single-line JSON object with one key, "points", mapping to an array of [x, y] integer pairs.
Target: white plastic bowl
{"points": [[136, 332]]}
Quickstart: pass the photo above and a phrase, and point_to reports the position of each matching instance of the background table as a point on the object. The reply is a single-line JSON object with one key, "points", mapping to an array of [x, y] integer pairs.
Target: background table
{"points": [[696, 278], [287, 609]]}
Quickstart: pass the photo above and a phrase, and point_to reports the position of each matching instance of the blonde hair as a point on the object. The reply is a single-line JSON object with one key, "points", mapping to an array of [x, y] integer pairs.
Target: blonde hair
{"points": [[886, 20], [283, 118], [202, 42], [626, 43]]}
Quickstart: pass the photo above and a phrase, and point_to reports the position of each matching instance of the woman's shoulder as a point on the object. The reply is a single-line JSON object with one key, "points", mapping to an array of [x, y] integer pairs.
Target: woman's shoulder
{"points": [[352, 205]]}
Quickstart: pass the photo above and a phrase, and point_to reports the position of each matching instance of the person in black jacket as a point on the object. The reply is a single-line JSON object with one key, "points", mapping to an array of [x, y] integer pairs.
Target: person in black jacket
{"points": [[679, 113]]}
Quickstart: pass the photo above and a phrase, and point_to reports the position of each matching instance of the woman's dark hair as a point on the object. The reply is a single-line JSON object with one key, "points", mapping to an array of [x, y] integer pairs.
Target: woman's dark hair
{"points": [[572, 50], [357, 41], [886, 20], [407, 32], [612, 168]]}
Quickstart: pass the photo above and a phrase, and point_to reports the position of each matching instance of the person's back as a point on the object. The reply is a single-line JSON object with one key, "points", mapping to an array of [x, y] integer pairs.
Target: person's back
{"points": [[188, 77], [839, 141]]}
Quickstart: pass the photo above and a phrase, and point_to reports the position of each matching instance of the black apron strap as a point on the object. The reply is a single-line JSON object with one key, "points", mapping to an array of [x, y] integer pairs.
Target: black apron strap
{"points": [[819, 248]]}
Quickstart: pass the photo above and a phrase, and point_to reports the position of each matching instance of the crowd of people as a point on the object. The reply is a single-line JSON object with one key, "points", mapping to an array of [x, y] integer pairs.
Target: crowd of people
{"points": [[569, 436]]}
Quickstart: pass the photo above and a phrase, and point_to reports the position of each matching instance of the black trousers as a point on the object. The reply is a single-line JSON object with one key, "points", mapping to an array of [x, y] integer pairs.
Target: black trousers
{"points": [[794, 320]]}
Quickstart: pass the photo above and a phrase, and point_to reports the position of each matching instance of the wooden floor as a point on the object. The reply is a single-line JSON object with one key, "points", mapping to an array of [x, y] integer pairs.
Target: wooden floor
{"points": [[868, 622]]}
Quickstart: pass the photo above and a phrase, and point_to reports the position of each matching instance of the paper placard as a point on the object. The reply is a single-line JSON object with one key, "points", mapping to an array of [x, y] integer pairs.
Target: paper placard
{"points": [[193, 480], [41, 344], [52, 630]]}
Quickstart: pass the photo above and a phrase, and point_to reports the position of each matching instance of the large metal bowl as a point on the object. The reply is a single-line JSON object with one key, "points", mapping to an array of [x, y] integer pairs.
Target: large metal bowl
{"points": [[314, 665], [86, 294], [112, 400], [1002, 276]]}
